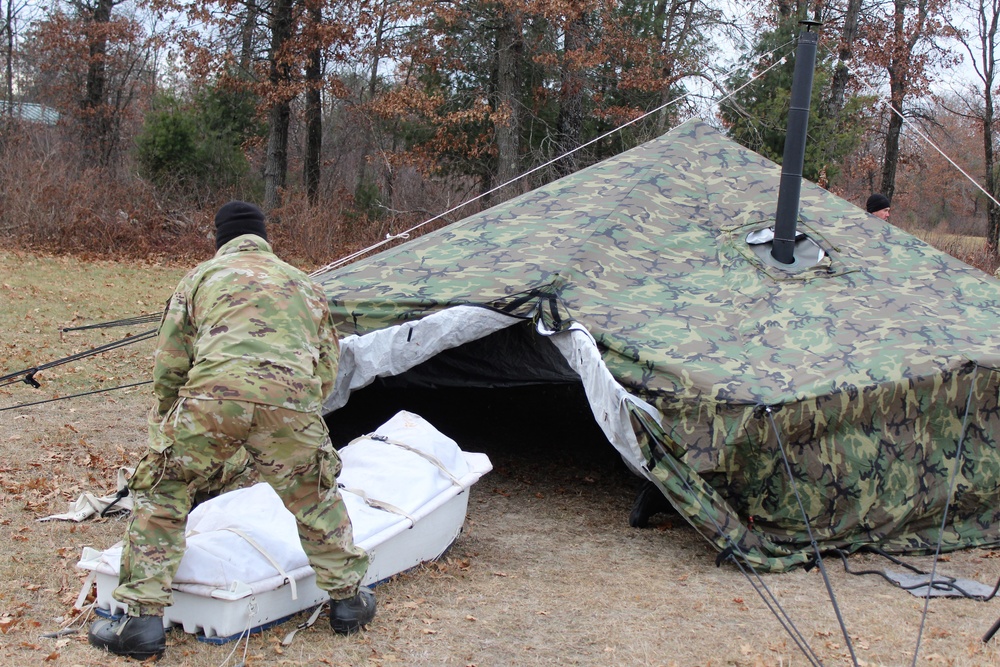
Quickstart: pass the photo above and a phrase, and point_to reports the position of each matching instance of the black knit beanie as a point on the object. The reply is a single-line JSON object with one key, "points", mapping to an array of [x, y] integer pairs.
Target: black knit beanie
{"points": [[876, 203], [235, 219]]}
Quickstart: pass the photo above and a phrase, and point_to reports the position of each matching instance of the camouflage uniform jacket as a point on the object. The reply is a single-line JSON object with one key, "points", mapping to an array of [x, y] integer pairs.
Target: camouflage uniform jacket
{"points": [[246, 326]]}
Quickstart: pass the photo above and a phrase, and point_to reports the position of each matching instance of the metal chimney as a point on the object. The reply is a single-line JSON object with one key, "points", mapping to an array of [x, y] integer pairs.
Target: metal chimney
{"points": [[787, 214]]}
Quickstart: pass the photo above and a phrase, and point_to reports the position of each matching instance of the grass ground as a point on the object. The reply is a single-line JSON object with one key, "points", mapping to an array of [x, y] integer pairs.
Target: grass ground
{"points": [[547, 570]]}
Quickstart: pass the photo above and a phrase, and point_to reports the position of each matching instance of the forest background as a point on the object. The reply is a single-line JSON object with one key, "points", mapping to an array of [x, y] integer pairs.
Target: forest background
{"points": [[125, 124]]}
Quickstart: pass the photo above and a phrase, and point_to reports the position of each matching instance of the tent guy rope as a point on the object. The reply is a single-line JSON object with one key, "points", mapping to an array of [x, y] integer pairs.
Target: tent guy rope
{"points": [[743, 564], [947, 506], [406, 234], [943, 154], [812, 538]]}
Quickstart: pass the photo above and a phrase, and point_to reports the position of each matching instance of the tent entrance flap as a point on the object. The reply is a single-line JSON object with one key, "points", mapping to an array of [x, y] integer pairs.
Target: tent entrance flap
{"points": [[511, 357]]}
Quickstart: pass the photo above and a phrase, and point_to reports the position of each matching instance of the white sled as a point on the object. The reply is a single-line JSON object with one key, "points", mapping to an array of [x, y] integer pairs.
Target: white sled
{"points": [[406, 490]]}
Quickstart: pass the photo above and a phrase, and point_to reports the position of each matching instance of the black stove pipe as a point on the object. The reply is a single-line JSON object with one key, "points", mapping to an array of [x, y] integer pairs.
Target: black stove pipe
{"points": [[790, 187]]}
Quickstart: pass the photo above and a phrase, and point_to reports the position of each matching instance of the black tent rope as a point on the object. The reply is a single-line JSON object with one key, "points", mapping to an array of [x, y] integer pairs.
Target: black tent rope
{"points": [[124, 322], [734, 549], [812, 538], [28, 375], [786, 622], [66, 398], [943, 584], [947, 505]]}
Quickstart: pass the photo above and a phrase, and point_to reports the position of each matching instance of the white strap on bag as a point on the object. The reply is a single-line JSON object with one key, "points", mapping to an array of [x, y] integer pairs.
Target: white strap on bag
{"points": [[419, 452], [270, 559], [305, 624], [379, 504]]}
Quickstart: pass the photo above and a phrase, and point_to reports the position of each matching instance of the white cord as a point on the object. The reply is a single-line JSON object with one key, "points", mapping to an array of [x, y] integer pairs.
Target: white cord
{"points": [[251, 614], [406, 234], [943, 154]]}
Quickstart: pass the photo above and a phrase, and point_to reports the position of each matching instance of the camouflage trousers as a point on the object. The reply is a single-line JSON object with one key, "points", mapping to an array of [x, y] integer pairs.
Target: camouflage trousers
{"points": [[291, 451]]}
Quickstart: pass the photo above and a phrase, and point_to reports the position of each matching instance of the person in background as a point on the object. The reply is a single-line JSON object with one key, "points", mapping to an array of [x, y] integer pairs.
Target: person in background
{"points": [[878, 205], [246, 353]]}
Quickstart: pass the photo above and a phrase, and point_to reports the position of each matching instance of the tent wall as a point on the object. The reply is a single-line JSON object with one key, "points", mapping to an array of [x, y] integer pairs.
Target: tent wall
{"points": [[870, 469]]}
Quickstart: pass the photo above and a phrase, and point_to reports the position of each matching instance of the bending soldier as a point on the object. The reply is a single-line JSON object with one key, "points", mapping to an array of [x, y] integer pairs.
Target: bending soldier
{"points": [[246, 352]]}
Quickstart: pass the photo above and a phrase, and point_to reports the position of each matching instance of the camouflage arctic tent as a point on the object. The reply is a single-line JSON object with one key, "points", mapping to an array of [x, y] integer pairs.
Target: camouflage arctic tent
{"points": [[706, 367]]}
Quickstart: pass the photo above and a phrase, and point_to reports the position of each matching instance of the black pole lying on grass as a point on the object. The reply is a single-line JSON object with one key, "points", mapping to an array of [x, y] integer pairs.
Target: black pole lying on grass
{"points": [[28, 374], [992, 631], [66, 398]]}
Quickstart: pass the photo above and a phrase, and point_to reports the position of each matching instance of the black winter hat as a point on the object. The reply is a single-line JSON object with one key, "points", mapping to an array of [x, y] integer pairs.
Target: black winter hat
{"points": [[876, 203], [235, 219]]}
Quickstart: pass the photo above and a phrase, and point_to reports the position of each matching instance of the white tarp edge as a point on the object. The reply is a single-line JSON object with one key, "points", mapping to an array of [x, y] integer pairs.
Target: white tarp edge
{"points": [[397, 349], [607, 398], [394, 350]]}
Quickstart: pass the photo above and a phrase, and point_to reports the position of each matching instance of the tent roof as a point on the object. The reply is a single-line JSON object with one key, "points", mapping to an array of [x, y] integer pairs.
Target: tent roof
{"points": [[647, 250]]}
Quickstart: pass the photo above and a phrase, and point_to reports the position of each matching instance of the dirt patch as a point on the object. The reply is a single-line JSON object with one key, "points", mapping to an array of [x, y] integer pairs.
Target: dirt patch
{"points": [[547, 570]]}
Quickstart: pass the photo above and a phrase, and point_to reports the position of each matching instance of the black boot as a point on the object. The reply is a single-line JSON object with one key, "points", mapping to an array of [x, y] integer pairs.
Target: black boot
{"points": [[350, 615], [138, 637], [649, 501]]}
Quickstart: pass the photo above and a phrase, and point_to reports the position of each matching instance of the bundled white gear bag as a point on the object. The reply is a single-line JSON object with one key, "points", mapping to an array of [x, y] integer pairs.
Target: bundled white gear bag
{"points": [[406, 490]]}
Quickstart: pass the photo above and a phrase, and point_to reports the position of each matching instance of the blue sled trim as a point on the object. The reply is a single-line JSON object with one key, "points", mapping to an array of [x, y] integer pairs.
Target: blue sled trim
{"points": [[240, 635]]}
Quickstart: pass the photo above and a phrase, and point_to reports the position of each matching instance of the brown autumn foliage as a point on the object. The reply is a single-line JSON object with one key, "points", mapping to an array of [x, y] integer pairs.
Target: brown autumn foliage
{"points": [[50, 205], [376, 182]]}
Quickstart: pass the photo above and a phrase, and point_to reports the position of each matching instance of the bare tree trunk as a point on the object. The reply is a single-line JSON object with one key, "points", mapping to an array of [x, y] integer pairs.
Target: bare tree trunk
{"points": [[508, 132], [367, 172], [987, 14], [888, 183], [9, 56], [570, 121], [674, 22], [897, 92], [842, 73], [992, 210], [380, 29], [276, 161], [247, 39], [314, 113], [905, 39], [97, 141]]}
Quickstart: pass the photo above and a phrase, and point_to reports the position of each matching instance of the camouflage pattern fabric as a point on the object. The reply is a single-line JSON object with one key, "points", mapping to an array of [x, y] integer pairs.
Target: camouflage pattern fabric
{"points": [[291, 451], [280, 350], [246, 352], [871, 373]]}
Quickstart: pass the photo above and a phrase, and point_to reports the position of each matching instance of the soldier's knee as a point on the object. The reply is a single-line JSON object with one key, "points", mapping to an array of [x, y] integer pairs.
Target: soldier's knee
{"points": [[149, 472], [329, 467]]}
